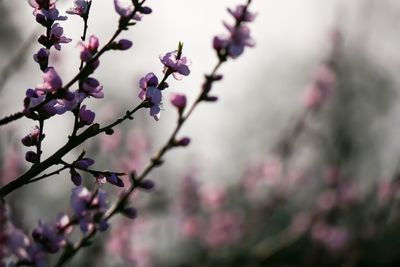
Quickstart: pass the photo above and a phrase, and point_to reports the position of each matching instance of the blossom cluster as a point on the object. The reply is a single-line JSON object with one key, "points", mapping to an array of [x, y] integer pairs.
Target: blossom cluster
{"points": [[233, 44], [90, 209]]}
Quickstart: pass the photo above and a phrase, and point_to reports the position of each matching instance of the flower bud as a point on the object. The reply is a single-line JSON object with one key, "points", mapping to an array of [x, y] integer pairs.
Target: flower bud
{"points": [[76, 178], [147, 184], [179, 101], [185, 141], [130, 212], [112, 178], [122, 44], [84, 163], [86, 116], [31, 156]]}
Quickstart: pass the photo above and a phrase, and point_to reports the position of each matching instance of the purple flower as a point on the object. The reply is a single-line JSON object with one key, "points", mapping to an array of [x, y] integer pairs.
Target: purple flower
{"points": [[234, 44], [87, 208], [76, 178], [57, 37], [32, 99], [185, 141], [51, 82], [178, 66], [49, 237], [130, 212], [67, 104], [122, 44], [239, 35], [19, 245], [112, 178], [86, 116], [220, 42], [84, 163], [31, 156], [147, 184], [155, 97], [42, 4], [88, 50], [56, 106], [100, 201], [125, 8], [47, 17], [150, 80], [80, 8], [63, 223], [239, 16], [42, 57], [80, 199], [92, 87], [32, 138], [178, 100]]}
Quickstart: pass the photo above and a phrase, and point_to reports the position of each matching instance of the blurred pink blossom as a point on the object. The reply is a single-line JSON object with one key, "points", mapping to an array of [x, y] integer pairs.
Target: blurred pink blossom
{"points": [[322, 88], [225, 228], [332, 237], [192, 227], [109, 143], [12, 164], [213, 198]]}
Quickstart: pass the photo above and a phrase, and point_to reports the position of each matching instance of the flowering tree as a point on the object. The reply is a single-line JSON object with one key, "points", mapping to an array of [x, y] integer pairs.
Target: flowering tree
{"points": [[303, 204], [52, 98]]}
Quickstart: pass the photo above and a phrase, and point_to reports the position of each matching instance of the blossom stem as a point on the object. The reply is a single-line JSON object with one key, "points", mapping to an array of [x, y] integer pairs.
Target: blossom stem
{"points": [[72, 143], [85, 27], [83, 71], [83, 38], [85, 20], [39, 145], [47, 175], [155, 162], [12, 117], [105, 48], [93, 172]]}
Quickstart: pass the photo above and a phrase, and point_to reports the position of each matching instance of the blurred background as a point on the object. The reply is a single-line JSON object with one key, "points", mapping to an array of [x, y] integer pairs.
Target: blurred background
{"points": [[275, 175]]}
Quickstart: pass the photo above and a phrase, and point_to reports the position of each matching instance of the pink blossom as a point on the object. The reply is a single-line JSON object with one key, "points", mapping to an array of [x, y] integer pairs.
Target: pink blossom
{"points": [[150, 80], [322, 88], [178, 100], [189, 195], [123, 7], [86, 116], [332, 237], [178, 66], [89, 49], [213, 198], [12, 164], [51, 81], [137, 150], [224, 229], [235, 43], [57, 37], [80, 7], [42, 4], [155, 96], [240, 15], [110, 143], [191, 227]]}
